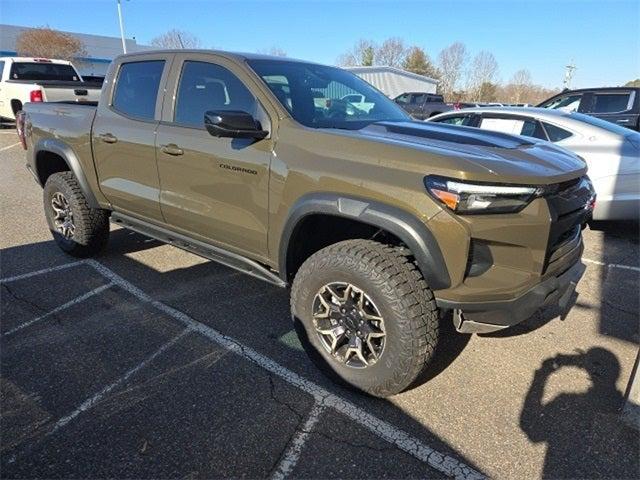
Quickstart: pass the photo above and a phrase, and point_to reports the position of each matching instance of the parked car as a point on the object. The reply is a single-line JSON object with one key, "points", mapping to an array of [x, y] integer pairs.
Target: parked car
{"points": [[611, 152], [377, 222], [619, 105], [25, 80], [422, 105]]}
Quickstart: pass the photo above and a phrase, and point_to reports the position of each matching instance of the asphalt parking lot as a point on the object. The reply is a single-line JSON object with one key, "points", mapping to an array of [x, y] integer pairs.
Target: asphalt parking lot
{"points": [[150, 362]]}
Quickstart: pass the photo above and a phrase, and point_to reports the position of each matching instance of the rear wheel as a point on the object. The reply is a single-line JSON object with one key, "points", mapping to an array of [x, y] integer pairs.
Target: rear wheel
{"points": [[78, 229], [368, 315]]}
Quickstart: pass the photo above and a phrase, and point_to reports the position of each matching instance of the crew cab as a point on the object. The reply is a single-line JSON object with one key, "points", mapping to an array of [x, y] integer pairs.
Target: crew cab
{"points": [[421, 105], [25, 80], [383, 227], [619, 105]]}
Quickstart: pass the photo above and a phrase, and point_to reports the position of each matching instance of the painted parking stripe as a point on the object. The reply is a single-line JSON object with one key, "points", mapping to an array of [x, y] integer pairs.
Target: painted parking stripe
{"points": [[62, 307], [90, 402], [611, 265], [9, 146], [292, 455], [411, 445], [94, 399], [44, 271]]}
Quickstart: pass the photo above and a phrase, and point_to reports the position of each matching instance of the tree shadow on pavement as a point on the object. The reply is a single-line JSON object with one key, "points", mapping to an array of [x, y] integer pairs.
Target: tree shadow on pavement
{"points": [[582, 430]]}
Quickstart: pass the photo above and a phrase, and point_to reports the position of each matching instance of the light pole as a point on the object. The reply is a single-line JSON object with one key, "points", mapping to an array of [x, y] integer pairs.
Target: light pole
{"points": [[124, 44]]}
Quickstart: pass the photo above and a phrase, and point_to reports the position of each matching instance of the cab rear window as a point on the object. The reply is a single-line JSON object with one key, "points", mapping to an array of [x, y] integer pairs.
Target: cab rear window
{"points": [[42, 71]]}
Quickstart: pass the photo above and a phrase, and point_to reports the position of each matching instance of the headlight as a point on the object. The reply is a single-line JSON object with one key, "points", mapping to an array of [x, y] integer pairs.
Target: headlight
{"points": [[476, 198]]}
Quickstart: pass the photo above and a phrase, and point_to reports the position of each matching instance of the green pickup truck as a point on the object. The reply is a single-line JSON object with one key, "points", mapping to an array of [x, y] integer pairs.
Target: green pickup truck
{"points": [[382, 227]]}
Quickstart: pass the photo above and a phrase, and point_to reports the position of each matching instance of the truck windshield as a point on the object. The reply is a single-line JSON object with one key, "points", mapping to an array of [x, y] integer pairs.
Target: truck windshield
{"points": [[318, 96], [42, 71]]}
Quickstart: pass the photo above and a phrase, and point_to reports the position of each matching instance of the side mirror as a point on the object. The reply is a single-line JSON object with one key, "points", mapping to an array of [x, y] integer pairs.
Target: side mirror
{"points": [[233, 124]]}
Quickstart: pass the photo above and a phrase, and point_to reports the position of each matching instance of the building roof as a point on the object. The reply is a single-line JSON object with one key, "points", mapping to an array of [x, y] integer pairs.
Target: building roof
{"points": [[386, 68]]}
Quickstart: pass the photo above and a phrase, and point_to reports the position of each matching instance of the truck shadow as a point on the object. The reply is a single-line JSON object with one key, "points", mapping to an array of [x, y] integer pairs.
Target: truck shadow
{"points": [[252, 312]]}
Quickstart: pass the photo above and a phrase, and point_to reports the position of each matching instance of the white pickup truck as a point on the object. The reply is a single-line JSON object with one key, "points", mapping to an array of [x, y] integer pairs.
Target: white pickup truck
{"points": [[24, 79]]}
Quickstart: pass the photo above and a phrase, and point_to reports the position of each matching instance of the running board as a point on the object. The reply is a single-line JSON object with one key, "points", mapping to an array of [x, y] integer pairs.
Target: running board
{"points": [[217, 254]]}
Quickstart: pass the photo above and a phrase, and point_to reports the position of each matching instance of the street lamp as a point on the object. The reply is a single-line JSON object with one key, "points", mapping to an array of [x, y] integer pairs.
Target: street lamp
{"points": [[124, 44]]}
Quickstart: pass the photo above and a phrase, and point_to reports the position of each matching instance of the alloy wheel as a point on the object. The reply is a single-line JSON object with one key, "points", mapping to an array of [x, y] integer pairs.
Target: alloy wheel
{"points": [[348, 324]]}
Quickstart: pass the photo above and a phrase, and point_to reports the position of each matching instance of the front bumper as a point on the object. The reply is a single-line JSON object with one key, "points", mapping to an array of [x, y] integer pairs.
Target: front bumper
{"points": [[484, 317]]}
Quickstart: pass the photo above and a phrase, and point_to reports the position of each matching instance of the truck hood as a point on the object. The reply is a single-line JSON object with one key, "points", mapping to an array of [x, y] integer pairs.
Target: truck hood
{"points": [[480, 154]]}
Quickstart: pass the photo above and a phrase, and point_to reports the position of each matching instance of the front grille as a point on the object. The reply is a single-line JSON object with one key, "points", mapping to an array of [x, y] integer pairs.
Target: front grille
{"points": [[567, 202]]}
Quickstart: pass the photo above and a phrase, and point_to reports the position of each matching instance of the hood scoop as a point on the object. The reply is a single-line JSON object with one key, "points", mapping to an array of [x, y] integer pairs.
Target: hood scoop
{"points": [[445, 133]]}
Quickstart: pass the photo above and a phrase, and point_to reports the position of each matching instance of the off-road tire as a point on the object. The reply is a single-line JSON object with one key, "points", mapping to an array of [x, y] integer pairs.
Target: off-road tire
{"points": [[388, 275], [91, 224]]}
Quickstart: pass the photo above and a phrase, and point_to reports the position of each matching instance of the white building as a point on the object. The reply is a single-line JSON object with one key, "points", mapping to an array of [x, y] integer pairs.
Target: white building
{"points": [[100, 49], [394, 81]]}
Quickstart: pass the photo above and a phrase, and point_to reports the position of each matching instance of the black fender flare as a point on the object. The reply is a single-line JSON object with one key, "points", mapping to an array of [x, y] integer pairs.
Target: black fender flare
{"points": [[73, 162], [413, 232]]}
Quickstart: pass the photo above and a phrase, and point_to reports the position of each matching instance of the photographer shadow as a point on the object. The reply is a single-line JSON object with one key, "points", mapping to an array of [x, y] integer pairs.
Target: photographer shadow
{"points": [[581, 429]]}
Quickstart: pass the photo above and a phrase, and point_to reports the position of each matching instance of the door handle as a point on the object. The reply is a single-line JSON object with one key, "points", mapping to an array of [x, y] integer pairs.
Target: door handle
{"points": [[172, 149], [623, 120], [108, 138]]}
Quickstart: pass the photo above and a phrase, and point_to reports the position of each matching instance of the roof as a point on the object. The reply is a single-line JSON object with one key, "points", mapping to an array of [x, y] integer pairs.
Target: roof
{"points": [[595, 89], [222, 53], [386, 68], [31, 59]]}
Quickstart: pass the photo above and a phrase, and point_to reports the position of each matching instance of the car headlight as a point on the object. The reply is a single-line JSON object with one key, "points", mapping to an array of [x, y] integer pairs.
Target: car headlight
{"points": [[478, 198]]}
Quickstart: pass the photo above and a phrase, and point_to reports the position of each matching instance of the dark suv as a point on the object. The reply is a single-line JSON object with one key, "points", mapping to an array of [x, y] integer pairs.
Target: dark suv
{"points": [[421, 105], [619, 105]]}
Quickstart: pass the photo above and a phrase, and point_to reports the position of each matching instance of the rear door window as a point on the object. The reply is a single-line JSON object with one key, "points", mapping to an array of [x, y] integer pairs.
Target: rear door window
{"points": [[556, 134], [514, 126], [418, 98], [136, 89], [612, 102]]}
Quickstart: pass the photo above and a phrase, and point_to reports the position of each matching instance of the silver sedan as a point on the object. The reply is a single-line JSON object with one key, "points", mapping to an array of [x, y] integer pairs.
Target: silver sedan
{"points": [[612, 152]]}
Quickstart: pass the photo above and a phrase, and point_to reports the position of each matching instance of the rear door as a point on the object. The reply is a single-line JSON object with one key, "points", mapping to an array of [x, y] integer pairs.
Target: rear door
{"points": [[124, 134], [616, 106], [213, 188]]}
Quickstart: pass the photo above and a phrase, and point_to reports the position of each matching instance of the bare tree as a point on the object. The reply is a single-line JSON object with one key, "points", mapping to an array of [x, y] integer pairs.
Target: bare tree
{"points": [[48, 43], [176, 39], [274, 51], [484, 70], [392, 53], [417, 61], [362, 53], [519, 86], [451, 62]]}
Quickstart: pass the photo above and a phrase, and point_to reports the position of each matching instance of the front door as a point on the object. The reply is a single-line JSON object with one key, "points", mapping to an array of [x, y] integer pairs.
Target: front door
{"points": [[213, 188]]}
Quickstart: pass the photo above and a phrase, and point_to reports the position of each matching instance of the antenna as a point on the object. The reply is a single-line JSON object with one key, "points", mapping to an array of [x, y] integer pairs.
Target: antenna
{"points": [[180, 40], [568, 74]]}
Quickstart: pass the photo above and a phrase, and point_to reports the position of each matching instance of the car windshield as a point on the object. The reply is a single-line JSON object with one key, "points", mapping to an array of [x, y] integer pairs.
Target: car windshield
{"points": [[318, 96], [604, 124]]}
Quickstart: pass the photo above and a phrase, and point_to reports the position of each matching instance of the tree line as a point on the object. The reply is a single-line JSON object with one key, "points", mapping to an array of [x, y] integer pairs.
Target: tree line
{"points": [[460, 76]]}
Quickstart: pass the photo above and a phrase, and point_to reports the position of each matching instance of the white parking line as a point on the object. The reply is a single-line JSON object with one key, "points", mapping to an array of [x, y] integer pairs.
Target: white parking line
{"points": [[411, 445], [9, 146], [44, 271], [64, 306], [90, 402], [292, 455], [611, 265], [93, 400], [323, 398]]}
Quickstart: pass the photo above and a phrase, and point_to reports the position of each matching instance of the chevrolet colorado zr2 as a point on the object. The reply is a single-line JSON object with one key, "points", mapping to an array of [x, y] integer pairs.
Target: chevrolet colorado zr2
{"points": [[381, 226]]}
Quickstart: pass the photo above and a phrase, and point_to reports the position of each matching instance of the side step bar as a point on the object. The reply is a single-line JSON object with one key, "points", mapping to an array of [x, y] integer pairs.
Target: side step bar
{"points": [[217, 254]]}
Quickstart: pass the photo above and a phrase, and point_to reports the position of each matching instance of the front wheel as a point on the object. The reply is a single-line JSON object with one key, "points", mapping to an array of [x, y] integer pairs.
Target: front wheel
{"points": [[367, 314], [77, 228]]}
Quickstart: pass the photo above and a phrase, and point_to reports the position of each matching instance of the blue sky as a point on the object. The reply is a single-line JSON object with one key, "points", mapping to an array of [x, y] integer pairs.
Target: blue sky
{"points": [[601, 37]]}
